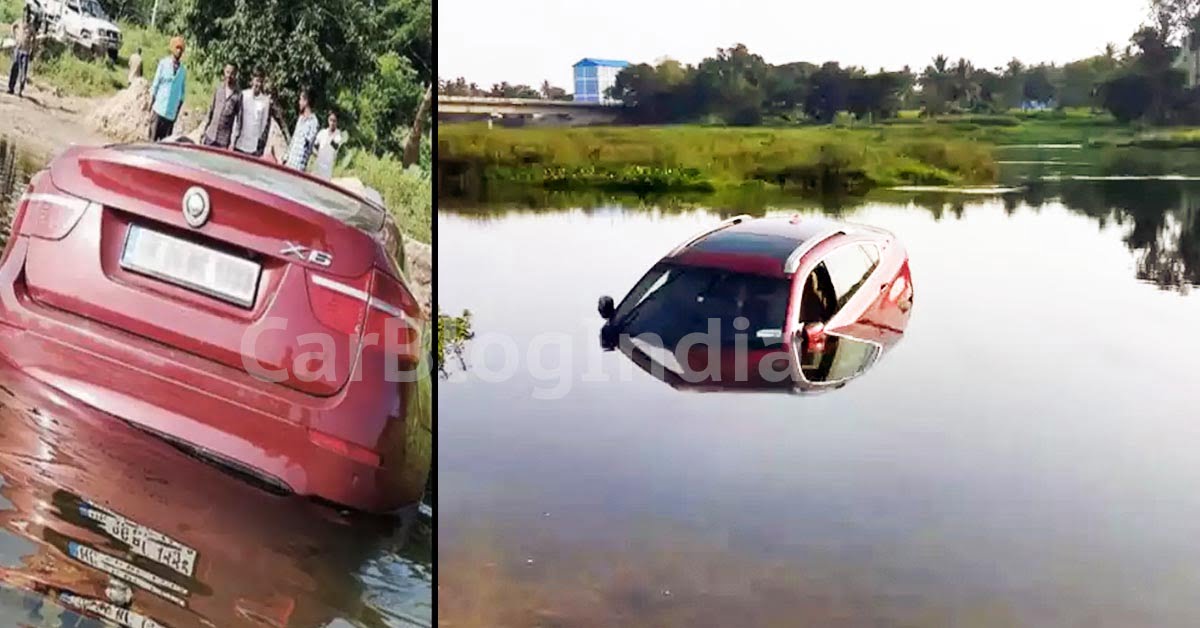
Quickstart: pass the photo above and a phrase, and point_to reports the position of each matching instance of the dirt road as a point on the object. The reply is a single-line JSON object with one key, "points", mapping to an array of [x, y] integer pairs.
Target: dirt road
{"points": [[43, 123]]}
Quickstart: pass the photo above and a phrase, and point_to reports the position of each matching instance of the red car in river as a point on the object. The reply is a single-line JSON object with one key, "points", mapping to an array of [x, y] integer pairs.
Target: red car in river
{"points": [[780, 303], [254, 315]]}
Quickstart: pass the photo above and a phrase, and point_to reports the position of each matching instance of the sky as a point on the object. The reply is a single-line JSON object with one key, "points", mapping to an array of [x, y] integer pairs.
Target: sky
{"points": [[528, 41]]}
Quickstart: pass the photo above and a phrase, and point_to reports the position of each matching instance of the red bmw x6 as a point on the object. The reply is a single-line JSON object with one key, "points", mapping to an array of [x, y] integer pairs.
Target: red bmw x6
{"points": [[252, 314]]}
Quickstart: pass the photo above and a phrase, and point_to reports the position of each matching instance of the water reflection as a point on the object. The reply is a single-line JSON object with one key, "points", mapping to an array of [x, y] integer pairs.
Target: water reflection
{"points": [[1161, 216], [109, 522], [991, 470]]}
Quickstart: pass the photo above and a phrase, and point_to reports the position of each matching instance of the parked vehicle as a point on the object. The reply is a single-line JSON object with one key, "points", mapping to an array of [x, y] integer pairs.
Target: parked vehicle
{"points": [[81, 22], [251, 313], [797, 304]]}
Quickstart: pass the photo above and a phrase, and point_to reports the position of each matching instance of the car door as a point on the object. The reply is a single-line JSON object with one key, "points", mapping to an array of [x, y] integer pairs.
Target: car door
{"points": [[72, 19], [841, 289]]}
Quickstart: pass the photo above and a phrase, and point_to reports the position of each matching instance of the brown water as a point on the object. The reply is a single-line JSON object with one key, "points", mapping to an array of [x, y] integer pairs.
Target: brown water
{"points": [[81, 492], [1026, 456]]}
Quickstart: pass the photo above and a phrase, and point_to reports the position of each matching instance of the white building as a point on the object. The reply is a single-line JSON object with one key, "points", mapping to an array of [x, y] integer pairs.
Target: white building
{"points": [[593, 77]]}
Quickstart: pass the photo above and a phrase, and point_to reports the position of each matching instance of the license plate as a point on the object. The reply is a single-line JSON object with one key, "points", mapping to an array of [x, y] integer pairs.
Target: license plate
{"points": [[178, 261]]}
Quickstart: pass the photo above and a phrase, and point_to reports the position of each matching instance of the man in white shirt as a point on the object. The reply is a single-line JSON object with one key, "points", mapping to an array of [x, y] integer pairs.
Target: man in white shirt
{"points": [[254, 122], [329, 140]]}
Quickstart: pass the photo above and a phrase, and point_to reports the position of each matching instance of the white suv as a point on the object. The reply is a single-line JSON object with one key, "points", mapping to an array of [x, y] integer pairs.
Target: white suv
{"points": [[81, 21]]}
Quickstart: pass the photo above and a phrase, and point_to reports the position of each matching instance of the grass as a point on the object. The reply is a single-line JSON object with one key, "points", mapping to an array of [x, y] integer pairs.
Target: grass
{"points": [[408, 193], [692, 158]]}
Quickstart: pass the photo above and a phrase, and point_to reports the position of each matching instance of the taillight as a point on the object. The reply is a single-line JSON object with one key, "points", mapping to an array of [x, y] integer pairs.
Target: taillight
{"points": [[49, 216], [375, 305], [388, 317], [338, 303]]}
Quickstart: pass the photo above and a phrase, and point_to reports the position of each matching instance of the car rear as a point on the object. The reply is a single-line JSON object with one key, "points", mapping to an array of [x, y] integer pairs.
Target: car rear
{"points": [[270, 333]]}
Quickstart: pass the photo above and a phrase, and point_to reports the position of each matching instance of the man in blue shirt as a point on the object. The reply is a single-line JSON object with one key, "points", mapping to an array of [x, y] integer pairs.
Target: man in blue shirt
{"points": [[167, 91], [305, 136]]}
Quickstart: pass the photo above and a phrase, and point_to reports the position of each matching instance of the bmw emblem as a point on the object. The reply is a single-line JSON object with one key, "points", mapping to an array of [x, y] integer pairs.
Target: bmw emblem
{"points": [[196, 207]]}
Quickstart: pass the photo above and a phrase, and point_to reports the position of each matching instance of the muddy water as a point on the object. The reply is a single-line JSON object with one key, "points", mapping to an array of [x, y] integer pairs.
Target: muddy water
{"points": [[101, 520], [1026, 456]]}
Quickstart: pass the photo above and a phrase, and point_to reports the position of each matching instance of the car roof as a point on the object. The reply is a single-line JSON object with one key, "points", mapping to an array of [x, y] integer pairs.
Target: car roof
{"points": [[757, 245]]}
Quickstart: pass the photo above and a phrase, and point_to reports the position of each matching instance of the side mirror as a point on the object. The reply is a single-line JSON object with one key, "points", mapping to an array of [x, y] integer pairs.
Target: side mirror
{"points": [[606, 307]]}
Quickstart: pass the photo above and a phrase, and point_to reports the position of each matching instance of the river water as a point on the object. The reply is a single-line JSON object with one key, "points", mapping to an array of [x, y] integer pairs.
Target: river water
{"points": [[93, 512], [1027, 455]]}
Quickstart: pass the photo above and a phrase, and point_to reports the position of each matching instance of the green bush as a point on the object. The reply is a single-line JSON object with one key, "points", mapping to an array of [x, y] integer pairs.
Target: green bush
{"points": [[408, 193], [693, 157]]}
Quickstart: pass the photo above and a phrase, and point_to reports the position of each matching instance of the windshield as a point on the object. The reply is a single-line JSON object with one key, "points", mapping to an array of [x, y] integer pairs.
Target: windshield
{"points": [[93, 8], [673, 301], [325, 199]]}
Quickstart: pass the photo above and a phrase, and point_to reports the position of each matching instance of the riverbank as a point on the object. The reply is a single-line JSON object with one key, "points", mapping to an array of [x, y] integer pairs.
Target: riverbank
{"points": [[825, 160], [706, 159]]}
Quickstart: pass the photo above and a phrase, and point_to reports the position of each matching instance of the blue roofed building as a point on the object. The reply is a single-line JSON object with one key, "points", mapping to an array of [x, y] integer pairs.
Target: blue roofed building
{"points": [[593, 77]]}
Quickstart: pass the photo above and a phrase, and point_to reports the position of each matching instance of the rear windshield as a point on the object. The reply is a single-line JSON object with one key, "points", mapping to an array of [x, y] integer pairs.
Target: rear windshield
{"points": [[329, 201]]}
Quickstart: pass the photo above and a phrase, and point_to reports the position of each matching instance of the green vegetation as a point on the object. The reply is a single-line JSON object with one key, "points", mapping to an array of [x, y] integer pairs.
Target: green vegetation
{"points": [[662, 159], [408, 191], [452, 334]]}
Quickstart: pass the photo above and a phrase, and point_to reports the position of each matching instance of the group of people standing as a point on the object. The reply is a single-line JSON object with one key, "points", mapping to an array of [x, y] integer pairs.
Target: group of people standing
{"points": [[240, 120]]}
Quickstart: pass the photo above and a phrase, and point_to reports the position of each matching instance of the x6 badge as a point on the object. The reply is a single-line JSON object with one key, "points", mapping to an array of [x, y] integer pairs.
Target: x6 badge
{"points": [[312, 256]]}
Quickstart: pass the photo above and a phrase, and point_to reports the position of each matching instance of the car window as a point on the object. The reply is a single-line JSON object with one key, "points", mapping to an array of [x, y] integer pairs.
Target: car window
{"points": [[835, 279], [842, 358], [283, 183], [673, 301]]}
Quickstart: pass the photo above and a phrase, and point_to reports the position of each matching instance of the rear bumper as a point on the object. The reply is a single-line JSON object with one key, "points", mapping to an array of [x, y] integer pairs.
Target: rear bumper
{"points": [[257, 427]]}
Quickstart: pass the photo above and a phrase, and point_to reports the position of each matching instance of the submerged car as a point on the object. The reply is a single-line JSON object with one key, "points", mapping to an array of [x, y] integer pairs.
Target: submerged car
{"points": [[254, 315], [796, 303]]}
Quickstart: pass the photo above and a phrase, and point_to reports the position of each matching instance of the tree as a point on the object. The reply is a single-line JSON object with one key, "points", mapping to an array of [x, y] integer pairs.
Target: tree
{"points": [[732, 85], [380, 107], [550, 92], [829, 93], [1038, 87], [459, 87], [505, 90], [876, 96], [935, 81], [786, 87], [412, 144], [1128, 96], [329, 43]]}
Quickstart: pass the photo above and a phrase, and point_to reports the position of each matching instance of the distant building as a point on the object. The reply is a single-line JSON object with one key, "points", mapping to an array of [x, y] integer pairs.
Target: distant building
{"points": [[594, 76]]}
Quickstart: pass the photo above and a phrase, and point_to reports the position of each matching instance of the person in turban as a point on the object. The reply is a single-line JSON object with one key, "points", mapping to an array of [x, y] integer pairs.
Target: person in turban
{"points": [[167, 91]]}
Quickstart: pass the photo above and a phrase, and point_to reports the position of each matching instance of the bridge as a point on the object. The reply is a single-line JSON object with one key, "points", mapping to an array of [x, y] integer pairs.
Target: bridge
{"points": [[525, 111]]}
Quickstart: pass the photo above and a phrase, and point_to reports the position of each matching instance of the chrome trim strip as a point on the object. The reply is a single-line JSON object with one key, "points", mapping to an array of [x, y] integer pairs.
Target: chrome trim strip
{"points": [[721, 225], [342, 288], [792, 264]]}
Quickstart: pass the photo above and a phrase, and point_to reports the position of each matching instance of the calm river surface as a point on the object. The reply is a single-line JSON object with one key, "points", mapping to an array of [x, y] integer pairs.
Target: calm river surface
{"points": [[94, 512], [1029, 454]]}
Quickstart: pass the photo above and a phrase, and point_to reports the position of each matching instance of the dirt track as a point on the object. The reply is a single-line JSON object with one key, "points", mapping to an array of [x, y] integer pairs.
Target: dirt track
{"points": [[43, 123]]}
